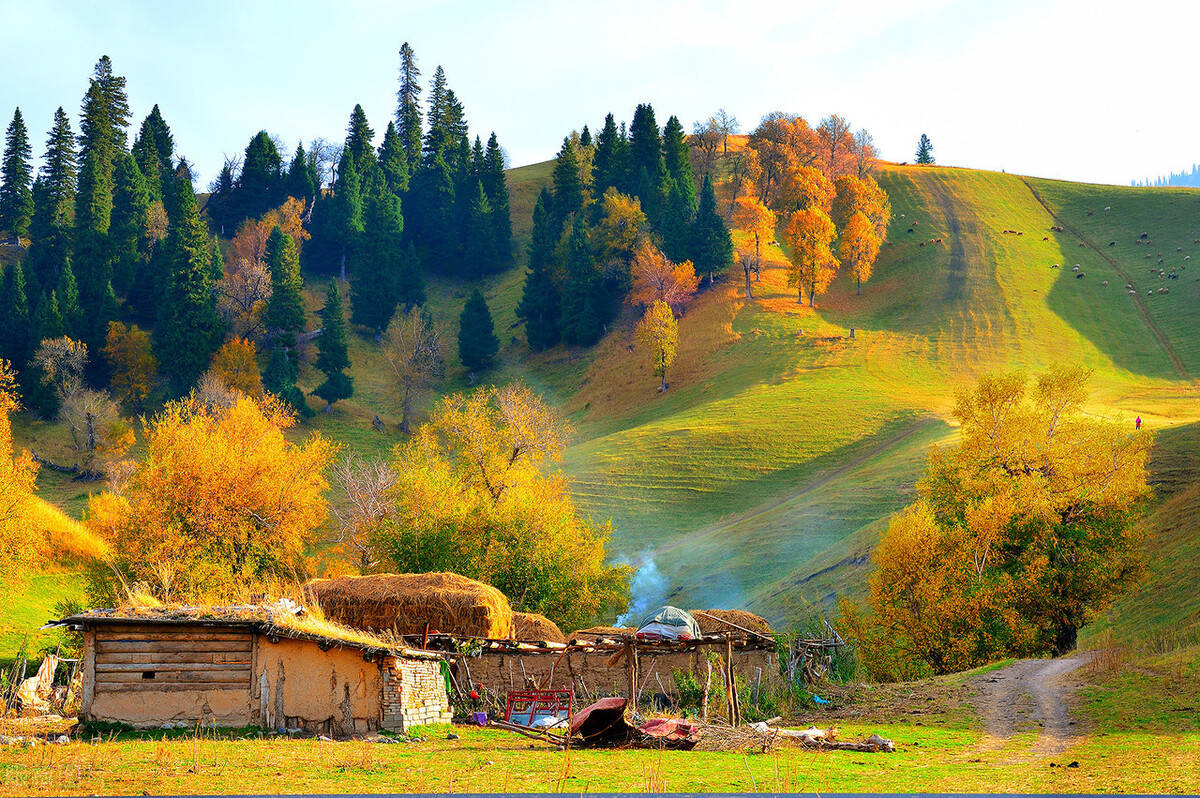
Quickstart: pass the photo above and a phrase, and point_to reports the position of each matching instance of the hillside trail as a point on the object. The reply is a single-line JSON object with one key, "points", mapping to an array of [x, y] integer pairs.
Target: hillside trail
{"points": [[822, 479], [1030, 694], [1163, 341]]}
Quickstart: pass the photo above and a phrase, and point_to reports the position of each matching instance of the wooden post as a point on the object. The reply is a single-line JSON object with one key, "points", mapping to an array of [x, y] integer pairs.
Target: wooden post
{"points": [[89, 672], [707, 688], [731, 685]]}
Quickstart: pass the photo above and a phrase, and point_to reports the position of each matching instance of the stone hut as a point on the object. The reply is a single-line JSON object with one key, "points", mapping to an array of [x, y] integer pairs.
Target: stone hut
{"points": [[269, 667]]}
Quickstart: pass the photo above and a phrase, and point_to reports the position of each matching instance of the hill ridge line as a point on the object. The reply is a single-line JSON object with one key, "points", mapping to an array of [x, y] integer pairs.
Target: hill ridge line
{"points": [[1176, 362]]}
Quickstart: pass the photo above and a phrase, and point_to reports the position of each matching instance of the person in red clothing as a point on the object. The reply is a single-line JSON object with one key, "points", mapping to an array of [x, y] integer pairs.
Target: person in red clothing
{"points": [[1138, 423]]}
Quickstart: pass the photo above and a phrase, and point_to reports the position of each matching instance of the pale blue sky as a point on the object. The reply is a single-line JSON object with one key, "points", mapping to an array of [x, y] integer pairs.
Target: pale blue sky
{"points": [[1092, 91]]}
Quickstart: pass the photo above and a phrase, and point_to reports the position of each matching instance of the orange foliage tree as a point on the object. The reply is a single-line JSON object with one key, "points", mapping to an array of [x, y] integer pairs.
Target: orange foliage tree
{"points": [[132, 363], [809, 238], [806, 187], [861, 195], [235, 364], [656, 278], [750, 215], [859, 247], [221, 503]]}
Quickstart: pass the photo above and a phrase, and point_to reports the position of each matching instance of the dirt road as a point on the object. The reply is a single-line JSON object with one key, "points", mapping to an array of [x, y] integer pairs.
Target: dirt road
{"points": [[1029, 695]]}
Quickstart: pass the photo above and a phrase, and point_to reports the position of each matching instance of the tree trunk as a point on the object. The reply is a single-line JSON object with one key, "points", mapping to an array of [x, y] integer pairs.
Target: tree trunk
{"points": [[746, 267], [799, 295], [812, 294], [343, 269], [662, 362], [860, 286]]}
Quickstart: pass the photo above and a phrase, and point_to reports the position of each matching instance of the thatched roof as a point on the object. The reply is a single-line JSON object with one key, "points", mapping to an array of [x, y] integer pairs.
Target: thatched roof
{"points": [[711, 622], [530, 626], [284, 619], [411, 604]]}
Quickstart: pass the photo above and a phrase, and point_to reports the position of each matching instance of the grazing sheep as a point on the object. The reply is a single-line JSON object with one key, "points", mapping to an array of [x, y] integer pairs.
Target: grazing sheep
{"points": [[910, 230], [1090, 213], [1129, 286], [1104, 284], [1144, 236], [1187, 257], [1132, 291], [1196, 240], [1107, 208], [1081, 275], [1148, 256], [1082, 244], [939, 241], [1112, 243], [1164, 290], [1160, 260], [1179, 249], [922, 243], [1075, 268], [1054, 266], [1045, 238]]}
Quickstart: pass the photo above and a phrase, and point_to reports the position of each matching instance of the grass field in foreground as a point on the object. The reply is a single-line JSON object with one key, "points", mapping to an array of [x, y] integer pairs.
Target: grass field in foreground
{"points": [[1127, 716]]}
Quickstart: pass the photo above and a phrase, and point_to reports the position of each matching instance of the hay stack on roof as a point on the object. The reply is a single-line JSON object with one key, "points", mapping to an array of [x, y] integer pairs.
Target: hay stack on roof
{"points": [[594, 633], [407, 604], [534, 628], [711, 622]]}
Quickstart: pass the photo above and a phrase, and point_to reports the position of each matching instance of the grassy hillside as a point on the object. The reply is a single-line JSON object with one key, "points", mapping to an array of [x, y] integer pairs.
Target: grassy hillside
{"points": [[764, 475]]}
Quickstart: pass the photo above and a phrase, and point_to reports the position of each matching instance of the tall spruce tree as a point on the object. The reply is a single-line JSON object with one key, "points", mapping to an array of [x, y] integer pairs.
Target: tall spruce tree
{"points": [[645, 143], [676, 224], [333, 357], [609, 165], [94, 197], [154, 150], [495, 183], [128, 232], [300, 181], [375, 274], [69, 306], [712, 246], [346, 209], [15, 333], [285, 309], [260, 184], [188, 329], [359, 138], [408, 108], [477, 342], [541, 302], [678, 162], [16, 179], [116, 101], [924, 150], [54, 197], [393, 161], [431, 215], [582, 294], [568, 187], [49, 318], [479, 254]]}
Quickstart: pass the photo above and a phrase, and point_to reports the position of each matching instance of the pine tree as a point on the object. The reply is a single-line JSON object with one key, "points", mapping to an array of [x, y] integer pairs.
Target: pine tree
{"points": [[408, 108], [645, 155], [568, 188], [107, 310], [924, 150], [495, 183], [712, 246], [16, 179], [332, 356], [189, 330], [94, 198], [480, 253], [280, 379], [128, 232], [393, 161], [69, 307], [582, 300], [285, 308], [359, 136], [540, 305], [609, 166], [260, 183], [477, 342], [54, 196], [116, 101], [676, 224], [678, 162], [431, 215], [375, 275], [49, 318], [346, 208], [299, 181], [585, 137], [437, 134], [154, 150], [216, 262], [15, 335]]}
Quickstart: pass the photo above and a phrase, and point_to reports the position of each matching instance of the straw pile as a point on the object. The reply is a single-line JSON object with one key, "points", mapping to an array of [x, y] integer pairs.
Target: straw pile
{"points": [[533, 628], [746, 620], [593, 633], [408, 604]]}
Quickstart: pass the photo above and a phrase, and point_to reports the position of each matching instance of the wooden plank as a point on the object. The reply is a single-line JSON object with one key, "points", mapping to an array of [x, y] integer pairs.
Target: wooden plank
{"points": [[139, 667], [169, 687], [173, 656], [114, 646], [226, 675], [89, 672], [174, 634]]}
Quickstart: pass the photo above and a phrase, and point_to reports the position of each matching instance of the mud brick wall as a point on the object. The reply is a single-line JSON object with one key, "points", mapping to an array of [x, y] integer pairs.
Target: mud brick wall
{"points": [[414, 694]]}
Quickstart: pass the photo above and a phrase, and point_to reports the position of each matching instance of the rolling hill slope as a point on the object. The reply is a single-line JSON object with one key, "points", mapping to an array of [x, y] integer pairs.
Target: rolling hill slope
{"points": [[764, 476]]}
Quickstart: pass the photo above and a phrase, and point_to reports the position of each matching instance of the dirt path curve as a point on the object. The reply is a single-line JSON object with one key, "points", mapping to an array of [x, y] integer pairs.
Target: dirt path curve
{"points": [[1029, 695], [1162, 339]]}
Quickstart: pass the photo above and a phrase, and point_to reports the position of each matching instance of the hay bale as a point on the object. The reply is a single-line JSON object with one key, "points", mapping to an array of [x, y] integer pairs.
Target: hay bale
{"points": [[593, 633], [408, 603], [533, 628], [746, 620]]}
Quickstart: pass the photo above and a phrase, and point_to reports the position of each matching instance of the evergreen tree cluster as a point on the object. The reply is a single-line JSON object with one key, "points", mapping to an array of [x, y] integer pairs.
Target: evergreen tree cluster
{"points": [[574, 287]]}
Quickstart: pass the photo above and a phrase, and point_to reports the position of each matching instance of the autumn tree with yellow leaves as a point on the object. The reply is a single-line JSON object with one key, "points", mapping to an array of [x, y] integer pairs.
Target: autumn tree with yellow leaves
{"points": [[220, 503], [132, 363], [1023, 531], [809, 237], [659, 332], [858, 248], [656, 278], [18, 475], [473, 495], [755, 218]]}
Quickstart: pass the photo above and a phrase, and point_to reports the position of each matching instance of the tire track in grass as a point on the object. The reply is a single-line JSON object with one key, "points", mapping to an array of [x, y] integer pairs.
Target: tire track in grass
{"points": [[1163, 341]]}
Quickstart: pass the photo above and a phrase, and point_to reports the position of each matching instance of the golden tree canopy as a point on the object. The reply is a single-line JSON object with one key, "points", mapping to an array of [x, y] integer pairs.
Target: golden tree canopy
{"points": [[656, 278], [809, 238]]}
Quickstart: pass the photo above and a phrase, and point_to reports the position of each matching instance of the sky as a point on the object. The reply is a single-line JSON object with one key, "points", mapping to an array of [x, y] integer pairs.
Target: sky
{"points": [[1094, 91]]}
